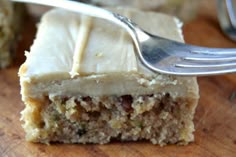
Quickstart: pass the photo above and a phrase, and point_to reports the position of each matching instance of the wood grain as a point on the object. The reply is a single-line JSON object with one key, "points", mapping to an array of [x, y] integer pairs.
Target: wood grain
{"points": [[215, 118]]}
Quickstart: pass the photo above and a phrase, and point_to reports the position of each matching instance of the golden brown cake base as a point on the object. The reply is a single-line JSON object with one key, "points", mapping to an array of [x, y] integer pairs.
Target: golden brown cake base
{"points": [[158, 118]]}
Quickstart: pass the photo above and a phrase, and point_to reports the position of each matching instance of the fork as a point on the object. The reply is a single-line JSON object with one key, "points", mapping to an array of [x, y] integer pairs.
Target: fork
{"points": [[226, 10], [156, 53]]}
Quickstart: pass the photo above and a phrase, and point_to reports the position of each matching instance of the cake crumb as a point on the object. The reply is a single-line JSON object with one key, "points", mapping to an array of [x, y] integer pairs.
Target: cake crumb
{"points": [[99, 54]]}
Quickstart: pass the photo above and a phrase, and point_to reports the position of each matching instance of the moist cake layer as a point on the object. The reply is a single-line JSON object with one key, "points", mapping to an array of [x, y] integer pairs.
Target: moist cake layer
{"points": [[158, 118]]}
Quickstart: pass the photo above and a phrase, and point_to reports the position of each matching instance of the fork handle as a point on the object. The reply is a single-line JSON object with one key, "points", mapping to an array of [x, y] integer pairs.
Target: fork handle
{"points": [[89, 10], [73, 6], [82, 8]]}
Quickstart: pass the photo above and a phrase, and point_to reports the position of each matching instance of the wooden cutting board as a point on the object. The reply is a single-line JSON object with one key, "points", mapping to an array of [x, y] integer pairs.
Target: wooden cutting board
{"points": [[215, 119]]}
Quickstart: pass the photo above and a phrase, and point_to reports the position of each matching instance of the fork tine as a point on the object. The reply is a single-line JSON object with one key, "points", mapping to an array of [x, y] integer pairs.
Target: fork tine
{"points": [[197, 53], [184, 70], [207, 59], [200, 54], [201, 71], [210, 51], [216, 65], [209, 62], [213, 51], [188, 60]]}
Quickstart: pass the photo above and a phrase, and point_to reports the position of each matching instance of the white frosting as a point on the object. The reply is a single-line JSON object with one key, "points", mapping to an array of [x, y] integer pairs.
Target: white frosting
{"points": [[109, 48], [104, 64]]}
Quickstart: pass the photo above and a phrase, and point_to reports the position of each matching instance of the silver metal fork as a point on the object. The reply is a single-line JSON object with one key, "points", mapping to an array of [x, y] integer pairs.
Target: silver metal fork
{"points": [[156, 53], [226, 10]]}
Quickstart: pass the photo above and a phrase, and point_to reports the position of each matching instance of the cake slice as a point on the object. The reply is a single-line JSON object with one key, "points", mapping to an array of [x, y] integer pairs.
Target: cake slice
{"points": [[82, 83]]}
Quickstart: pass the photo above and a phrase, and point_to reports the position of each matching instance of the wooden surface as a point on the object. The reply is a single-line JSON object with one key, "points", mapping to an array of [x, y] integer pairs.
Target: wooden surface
{"points": [[215, 119]]}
